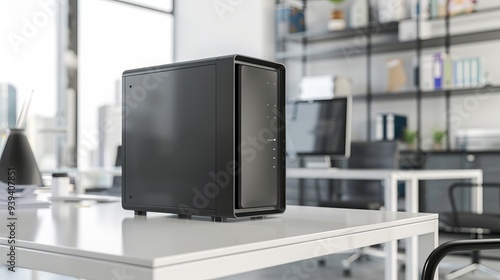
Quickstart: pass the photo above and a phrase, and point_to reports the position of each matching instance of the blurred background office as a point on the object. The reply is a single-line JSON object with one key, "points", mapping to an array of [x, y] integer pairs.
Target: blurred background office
{"points": [[440, 89]]}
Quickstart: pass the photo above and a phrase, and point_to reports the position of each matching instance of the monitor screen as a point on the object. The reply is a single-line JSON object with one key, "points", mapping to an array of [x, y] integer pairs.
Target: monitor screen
{"points": [[319, 128]]}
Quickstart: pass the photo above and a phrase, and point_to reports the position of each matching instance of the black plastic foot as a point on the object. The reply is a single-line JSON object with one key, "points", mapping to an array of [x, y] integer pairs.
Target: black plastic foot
{"points": [[257, 218], [140, 213], [321, 262], [184, 216], [219, 219]]}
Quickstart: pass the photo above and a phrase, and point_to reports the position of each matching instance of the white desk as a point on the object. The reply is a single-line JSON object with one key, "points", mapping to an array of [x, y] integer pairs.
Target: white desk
{"points": [[390, 179], [103, 240]]}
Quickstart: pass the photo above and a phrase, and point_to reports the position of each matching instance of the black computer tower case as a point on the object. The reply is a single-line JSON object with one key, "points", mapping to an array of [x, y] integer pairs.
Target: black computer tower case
{"points": [[205, 137]]}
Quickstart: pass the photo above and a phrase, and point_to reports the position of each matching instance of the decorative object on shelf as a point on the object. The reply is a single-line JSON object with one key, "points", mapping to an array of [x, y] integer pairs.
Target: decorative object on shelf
{"points": [[477, 139], [337, 18], [437, 70], [18, 160], [359, 14], [457, 7], [396, 75], [282, 19], [296, 22], [289, 19], [437, 139], [391, 10], [324, 87], [409, 137], [407, 30]]}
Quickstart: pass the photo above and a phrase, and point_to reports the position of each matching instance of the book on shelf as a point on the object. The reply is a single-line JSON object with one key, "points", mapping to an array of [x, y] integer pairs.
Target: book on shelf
{"points": [[447, 64], [437, 8], [426, 75], [475, 70], [389, 127], [441, 71], [466, 65], [459, 73]]}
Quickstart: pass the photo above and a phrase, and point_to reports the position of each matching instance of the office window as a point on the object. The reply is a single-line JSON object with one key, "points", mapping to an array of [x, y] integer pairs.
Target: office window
{"points": [[28, 62], [114, 37]]}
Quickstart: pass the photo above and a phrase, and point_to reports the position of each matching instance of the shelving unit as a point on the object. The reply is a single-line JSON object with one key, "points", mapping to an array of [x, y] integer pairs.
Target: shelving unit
{"points": [[389, 45], [426, 94]]}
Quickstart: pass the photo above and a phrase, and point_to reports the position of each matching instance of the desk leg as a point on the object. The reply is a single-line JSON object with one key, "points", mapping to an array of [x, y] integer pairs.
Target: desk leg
{"points": [[391, 204], [301, 192], [411, 200], [78, 184], [477, 194], [301, 184], [391, 194]]}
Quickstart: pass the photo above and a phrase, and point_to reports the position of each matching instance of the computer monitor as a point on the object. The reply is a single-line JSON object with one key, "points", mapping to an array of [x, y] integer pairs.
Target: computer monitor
{"points": [[319, 128]]}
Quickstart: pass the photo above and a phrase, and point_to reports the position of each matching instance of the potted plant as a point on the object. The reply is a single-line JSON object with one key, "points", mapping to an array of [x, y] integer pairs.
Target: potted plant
{"points": [[437, 139], [337, 18], [409, 137]]}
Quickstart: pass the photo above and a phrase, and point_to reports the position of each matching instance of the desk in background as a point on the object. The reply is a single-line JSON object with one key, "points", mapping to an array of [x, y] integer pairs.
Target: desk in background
{"points": [[389, 180], [101, 240]]}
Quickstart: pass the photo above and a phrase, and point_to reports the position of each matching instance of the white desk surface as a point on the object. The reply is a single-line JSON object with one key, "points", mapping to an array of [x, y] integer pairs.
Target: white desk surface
{"points": [[97, 240]]}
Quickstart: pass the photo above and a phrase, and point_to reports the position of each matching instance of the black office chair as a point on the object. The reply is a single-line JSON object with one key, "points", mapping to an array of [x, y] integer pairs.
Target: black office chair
{"points": [[116, 187], [473, 223], [365, 194], [443, 250]]}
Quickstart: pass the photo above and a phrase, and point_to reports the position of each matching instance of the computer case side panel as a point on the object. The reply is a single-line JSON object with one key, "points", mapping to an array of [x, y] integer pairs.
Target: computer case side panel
{"points": [[169, 156]]}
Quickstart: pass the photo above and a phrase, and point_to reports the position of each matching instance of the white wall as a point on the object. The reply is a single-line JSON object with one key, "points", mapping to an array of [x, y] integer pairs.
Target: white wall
{"points": [[221, 27]]}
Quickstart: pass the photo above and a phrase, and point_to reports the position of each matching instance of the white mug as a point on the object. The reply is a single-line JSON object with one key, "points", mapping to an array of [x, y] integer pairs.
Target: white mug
{"points": [[60, 184]]}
